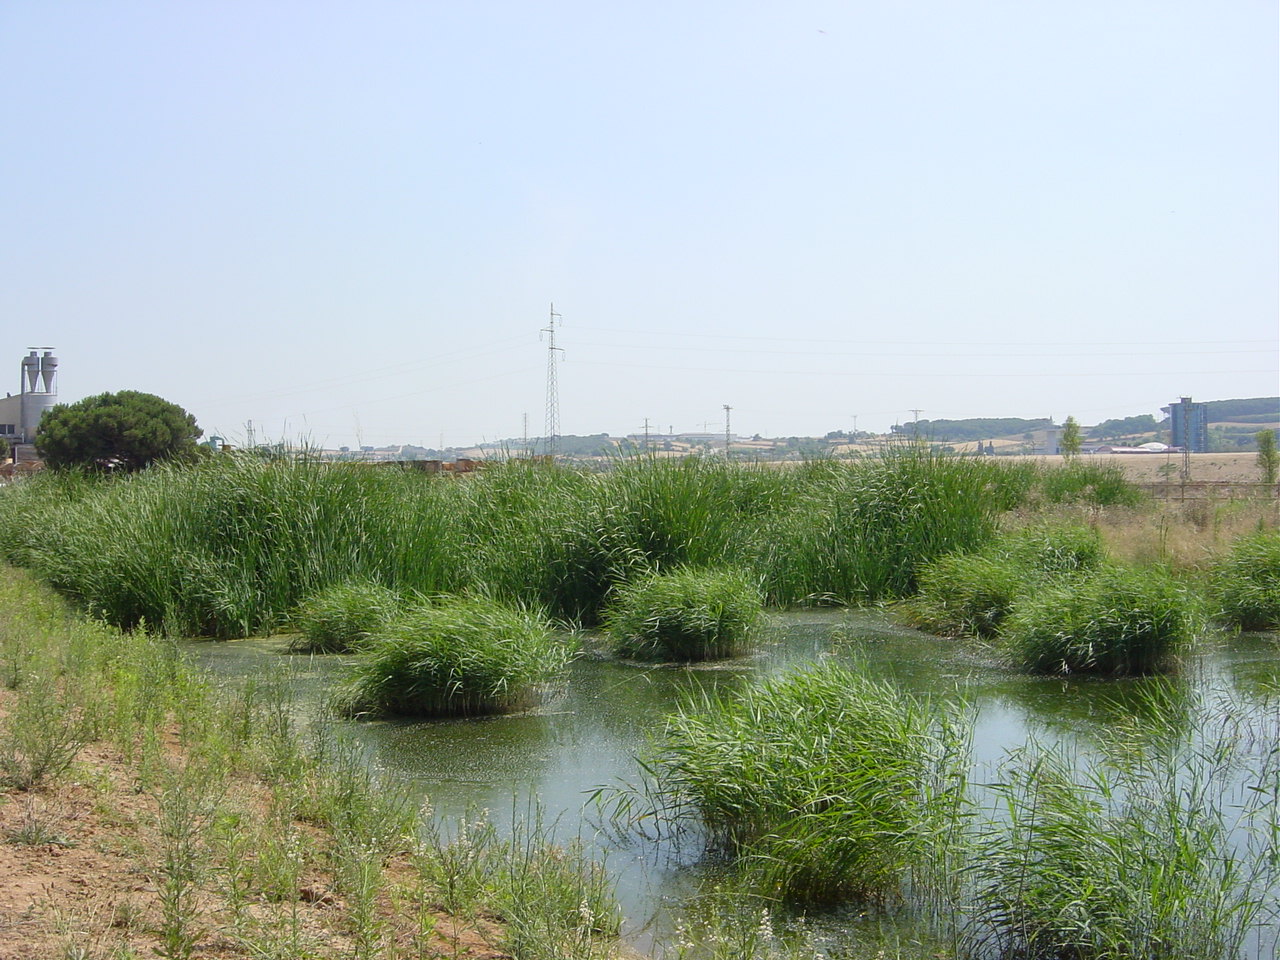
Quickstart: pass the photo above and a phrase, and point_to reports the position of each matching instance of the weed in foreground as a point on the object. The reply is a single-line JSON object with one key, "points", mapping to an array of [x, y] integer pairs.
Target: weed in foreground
{"points": [[41, 825], [556, 902], [187, 803], [42, 735]]}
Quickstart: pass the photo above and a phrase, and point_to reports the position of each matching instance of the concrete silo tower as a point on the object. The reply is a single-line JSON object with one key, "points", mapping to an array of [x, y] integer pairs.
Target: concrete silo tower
{"points": [[39, 389]]}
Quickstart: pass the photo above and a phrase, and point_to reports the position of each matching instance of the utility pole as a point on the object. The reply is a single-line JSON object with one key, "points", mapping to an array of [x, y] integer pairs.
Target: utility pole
{"points": [[646, 434], [524, 444], [915, 423], [727, 408], [553, 391]]}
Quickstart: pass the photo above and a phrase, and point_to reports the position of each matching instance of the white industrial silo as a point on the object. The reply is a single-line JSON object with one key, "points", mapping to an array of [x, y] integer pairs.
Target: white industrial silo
{"points": [[39, 390]]}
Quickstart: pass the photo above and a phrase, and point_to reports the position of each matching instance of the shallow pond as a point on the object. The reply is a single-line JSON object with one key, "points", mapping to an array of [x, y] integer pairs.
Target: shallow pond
{"points": [[589, 735]]}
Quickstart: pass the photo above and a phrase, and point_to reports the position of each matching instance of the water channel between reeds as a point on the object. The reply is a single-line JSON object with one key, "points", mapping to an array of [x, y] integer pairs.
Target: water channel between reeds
{"points": [[589, 735]]}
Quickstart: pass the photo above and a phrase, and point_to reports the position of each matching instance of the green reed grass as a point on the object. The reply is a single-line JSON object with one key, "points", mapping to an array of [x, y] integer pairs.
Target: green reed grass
{"points": [[684, 615], [1116, 622], [1053, 547], [1098, 484], [564, 538], [858, 533], [340, 617], [456, 656], [967, 594], [972, 594], [824, 784], [231, 546], [1150, 854], [1246, 584]]}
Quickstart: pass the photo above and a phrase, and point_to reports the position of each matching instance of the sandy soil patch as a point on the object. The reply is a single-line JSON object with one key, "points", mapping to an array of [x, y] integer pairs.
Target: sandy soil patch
{"points": [[1154, 467], [79, 877]]}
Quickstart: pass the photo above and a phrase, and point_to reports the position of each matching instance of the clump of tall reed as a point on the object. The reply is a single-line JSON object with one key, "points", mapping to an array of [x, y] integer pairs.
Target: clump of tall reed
{"points": [[1054, 547], [1246, 584], [455, 656], [1154, 853], [340, 617], [1116, 622], [684, 615], [229, 547], [858, 533], [972, 594], [966, 594], [824, 784], [565, 539]]}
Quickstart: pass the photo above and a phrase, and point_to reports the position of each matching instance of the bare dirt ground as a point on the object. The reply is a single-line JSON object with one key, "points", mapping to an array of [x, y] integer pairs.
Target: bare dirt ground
{"points": [[1156, 467], [79, 878]]}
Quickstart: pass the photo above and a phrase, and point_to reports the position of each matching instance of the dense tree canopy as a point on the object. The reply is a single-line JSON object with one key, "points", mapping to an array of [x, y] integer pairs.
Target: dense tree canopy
{"points": [[116, 431], [1070, 442], [1119, 427]]}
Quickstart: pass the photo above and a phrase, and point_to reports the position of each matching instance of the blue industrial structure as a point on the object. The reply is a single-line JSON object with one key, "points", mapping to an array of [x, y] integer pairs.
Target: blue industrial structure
{"points": [[1190, 425]]}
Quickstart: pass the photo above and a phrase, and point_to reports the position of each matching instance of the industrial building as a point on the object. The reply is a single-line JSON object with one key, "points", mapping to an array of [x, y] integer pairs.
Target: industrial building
{"points": [[1189, 423], [20, 415]]}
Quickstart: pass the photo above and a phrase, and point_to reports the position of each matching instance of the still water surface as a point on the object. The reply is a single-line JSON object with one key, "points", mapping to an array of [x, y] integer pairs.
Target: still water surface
{"points": [[589, 735]]}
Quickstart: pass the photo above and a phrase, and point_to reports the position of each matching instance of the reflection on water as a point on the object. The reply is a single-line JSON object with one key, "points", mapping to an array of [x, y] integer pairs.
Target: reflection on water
{"points": [[589, 734]]}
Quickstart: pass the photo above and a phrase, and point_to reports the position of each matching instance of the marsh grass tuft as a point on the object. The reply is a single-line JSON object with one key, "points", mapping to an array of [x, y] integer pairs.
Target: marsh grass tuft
{"points": [[1118, 622], [972, 594], [857, 534], [1143, 857], [966, 594], [340, 617], [825, 785], [684, 615], [1097, 484], [457, 656], [1246, 584]]}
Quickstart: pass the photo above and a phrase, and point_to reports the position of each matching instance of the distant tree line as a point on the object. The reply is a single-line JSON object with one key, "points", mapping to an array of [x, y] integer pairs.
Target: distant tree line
{"points": [[1124, 427], [974, 428]]}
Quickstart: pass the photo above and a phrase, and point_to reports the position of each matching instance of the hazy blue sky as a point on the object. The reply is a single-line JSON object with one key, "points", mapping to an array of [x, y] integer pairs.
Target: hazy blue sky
{"points": [[348, 220]]}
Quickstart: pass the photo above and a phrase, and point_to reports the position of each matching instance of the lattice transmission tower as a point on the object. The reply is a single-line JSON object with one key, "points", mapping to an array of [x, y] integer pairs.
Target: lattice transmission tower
{"points": [[552, 431]]}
